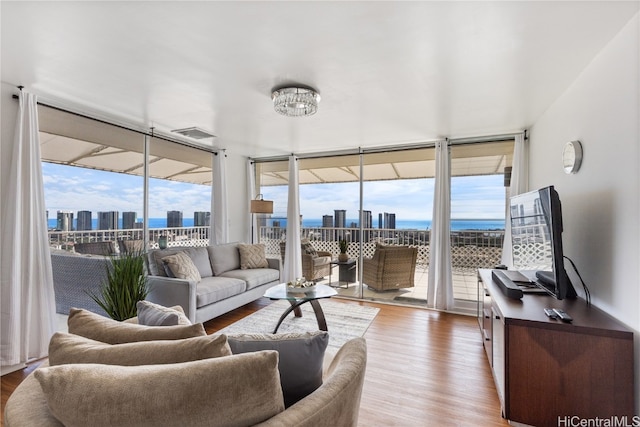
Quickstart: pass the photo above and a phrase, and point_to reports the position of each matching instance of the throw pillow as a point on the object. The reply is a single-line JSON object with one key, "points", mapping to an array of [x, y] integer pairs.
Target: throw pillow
{"points": [[308, 248], [182, 267], [155, 264], [225, 391], [68, 348], [224, 257], [100, 328], [151, 314], [301, 358], [252, 256]]}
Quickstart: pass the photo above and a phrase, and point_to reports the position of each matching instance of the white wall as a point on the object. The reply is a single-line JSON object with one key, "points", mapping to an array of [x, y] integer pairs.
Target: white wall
{"points": [[601, 203]]}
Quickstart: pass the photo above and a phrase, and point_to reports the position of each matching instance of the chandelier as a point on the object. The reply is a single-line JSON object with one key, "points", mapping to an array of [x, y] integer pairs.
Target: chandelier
{"points": [[295, 101]]}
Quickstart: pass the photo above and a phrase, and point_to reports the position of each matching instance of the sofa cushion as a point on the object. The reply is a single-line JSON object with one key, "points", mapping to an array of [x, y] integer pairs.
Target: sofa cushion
{"points": [[224, 257], [252, 256], [200, 257], [151, 314], [254, 277], [300, 363], [100, 328], [213, 289], [70, 348], [154, 260], [182, 267], [225, 391]]}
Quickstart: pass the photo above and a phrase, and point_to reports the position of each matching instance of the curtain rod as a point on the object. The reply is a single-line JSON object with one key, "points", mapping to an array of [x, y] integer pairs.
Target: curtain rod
{"points": [[130, 129], [389, 148]]}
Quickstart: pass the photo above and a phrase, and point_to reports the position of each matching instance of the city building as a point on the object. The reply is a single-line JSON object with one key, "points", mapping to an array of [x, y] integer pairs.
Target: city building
{"points": [[83, 222], [108, 220], [174, 218], [201, 219], [129, 220], [64, 221]]}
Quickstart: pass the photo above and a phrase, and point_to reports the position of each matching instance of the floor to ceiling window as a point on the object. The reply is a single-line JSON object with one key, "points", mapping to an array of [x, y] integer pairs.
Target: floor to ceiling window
{"points": [[396, 204], [95, 186]]}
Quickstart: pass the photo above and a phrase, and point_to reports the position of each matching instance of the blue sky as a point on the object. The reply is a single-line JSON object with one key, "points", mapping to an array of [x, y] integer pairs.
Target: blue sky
{"points": [[74, 189]]}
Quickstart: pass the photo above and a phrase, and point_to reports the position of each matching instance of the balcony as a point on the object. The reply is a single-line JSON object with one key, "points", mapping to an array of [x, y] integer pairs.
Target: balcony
{"points": [[470, 250]]}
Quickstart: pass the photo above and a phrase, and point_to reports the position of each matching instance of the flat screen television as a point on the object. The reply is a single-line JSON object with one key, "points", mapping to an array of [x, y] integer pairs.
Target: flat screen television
{"points": [[536, 237]]}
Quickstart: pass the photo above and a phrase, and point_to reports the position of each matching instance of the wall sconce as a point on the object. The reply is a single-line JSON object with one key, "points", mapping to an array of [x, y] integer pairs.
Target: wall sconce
{"points": [[261, 206]]}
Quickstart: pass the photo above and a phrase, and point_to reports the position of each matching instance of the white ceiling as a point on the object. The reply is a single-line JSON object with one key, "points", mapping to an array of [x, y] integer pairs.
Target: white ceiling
{"points": [[388, 72]]}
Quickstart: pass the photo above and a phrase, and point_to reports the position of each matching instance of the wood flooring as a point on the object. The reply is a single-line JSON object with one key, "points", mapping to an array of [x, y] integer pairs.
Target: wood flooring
{"points": [[424, 368]]}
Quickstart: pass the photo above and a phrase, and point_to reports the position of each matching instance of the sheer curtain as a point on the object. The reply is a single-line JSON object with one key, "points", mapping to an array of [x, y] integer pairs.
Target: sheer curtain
{"points": [[519, 184], [28, 299], [293, 253], [252, 231], [440, 288], [219, 223]]}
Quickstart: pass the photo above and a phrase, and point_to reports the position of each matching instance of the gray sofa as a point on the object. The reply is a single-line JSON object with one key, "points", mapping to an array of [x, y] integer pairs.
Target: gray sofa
{"points": [[224, 285]]}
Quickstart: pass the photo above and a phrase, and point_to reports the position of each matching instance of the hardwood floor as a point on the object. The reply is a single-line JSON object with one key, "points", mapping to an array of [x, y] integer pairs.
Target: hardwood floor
{"points": [[424, 368]]}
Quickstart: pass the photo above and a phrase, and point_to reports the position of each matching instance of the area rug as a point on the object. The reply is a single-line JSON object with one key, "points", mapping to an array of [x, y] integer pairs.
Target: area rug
{"points": [[344, 321]]}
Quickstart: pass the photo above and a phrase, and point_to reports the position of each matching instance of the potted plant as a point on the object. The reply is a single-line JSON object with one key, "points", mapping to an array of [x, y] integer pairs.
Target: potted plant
{"points": [[126, 284], [344, 245]]}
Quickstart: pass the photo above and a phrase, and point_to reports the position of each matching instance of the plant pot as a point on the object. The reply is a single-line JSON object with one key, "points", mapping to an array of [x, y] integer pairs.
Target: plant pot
{"points": [[343, 257], [162, 242]]}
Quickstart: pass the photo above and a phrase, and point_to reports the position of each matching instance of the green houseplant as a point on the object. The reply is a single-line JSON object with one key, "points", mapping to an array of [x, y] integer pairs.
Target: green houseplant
{"points": [[344, 245], [126, 284]]}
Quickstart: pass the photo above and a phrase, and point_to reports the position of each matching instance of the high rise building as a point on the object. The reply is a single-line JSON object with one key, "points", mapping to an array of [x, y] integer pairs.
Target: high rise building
{"points": [[367, 224], [129, 220], [340, 218], [174, 218], [201, 219], [340, 221], [380, 221], [64, 221], [83, 222], [108, 220], [389, 221]]}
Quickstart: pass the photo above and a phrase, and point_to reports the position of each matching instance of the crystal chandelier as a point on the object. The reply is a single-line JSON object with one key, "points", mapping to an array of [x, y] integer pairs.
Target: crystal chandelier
{"points": [[295, 101]]}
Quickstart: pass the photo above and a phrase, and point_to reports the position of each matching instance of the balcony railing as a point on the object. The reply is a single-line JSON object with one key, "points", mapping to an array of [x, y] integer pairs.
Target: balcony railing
{"points": [[470, 249], [176, 236]]}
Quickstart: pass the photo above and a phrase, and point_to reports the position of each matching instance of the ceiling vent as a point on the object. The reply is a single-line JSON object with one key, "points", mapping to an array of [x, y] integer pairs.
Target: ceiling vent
{"points": [[194, 132]]}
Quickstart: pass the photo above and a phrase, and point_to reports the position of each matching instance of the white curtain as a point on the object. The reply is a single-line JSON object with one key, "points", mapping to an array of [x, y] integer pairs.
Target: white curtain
{"points": [[252, 232], [440, 288], [28, 300], [293, 253], [519, 184], [219, 220]]}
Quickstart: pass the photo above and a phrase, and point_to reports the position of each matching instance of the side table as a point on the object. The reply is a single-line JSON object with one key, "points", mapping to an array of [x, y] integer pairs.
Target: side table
{"points": [[346, 272]]}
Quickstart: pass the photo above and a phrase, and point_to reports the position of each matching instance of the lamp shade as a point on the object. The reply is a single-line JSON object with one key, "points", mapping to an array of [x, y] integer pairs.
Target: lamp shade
{"points": [[262, 206]]}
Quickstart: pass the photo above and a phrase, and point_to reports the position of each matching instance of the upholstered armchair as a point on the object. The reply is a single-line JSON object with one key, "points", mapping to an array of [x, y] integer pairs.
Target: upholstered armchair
{"points": [[391, 267], [315, 264]]}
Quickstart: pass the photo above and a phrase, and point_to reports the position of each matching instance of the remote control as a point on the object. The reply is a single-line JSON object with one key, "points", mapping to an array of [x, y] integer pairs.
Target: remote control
{"points": [[563, 315], [549, 312]]}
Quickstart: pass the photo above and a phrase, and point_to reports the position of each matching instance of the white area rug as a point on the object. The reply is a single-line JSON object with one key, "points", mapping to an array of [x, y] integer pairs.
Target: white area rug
{"points": [[344, 321]]}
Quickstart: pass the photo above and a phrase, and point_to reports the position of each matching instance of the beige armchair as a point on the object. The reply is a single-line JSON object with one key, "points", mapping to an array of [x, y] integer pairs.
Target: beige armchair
{"points": [[391, 267], [315, 265]]}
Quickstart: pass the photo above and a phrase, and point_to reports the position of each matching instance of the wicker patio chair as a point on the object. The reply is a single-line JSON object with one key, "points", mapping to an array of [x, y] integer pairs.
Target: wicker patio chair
{"points": [[391, 267], [314, 266]]}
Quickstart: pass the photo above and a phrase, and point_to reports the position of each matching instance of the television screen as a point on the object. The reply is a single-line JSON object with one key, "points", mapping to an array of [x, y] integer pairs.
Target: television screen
{"points": [[536, 236]]}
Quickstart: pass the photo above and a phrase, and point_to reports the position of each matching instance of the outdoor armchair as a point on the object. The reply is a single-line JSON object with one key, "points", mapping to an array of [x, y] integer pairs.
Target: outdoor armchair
{"points": [[391, 267]]}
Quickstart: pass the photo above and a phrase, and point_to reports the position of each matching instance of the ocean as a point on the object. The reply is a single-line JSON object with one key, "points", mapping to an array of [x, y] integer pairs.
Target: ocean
{"points": [[456, 224]]}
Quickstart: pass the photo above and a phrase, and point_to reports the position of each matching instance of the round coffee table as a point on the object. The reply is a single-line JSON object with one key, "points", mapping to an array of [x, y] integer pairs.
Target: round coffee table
{"points": [[296, 299]]}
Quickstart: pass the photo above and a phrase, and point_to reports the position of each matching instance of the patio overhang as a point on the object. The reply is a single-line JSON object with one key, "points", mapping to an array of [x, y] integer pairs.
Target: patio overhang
{"points": [[74, 140], [487, 158]]}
